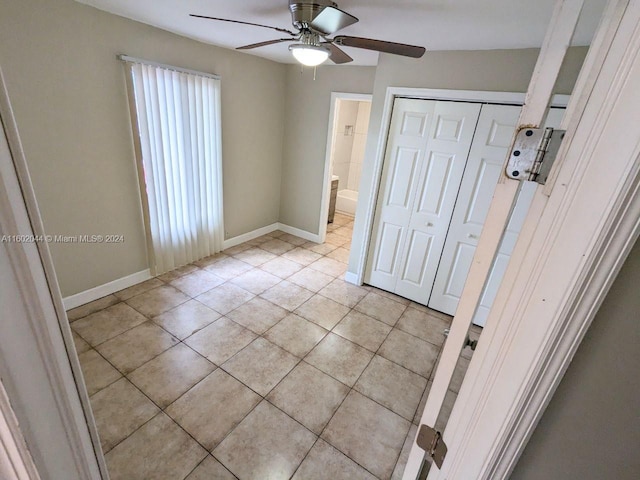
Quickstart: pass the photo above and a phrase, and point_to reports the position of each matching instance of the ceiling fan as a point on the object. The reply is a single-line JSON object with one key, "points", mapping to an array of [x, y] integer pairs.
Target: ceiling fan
{"points": [[314, 21]]}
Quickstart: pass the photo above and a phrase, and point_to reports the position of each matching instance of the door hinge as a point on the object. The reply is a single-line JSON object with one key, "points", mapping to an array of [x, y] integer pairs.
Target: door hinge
{"points": [[533, 154], [430, 440]]}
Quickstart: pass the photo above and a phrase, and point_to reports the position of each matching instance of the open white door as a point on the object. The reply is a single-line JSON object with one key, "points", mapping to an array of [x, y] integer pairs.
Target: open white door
{"points": [[496, 128], [557, 41]]}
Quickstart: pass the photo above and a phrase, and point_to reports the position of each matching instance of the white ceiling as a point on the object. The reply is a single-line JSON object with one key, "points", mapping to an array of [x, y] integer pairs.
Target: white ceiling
{"points": [[434, 24]]}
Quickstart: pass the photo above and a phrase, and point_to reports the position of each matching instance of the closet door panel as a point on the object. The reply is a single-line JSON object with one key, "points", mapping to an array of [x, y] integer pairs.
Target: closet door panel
{"points": [[408, 136], [438, 183], [488, 151]]}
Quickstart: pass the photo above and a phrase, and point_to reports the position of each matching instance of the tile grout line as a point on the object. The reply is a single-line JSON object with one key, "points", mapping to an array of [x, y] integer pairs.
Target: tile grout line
{"points": [[301, 359]]}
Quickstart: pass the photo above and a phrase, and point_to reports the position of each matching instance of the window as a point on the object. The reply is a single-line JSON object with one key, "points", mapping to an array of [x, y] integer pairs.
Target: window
{"points": [[177, 117]]}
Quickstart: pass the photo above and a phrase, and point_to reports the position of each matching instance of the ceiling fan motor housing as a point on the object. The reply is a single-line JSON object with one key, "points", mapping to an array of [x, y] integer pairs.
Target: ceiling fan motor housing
{"points": [[303, 12]]}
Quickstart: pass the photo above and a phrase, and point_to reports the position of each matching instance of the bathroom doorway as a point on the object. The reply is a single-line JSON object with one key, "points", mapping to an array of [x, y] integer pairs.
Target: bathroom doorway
{"points": [[346, 142]]}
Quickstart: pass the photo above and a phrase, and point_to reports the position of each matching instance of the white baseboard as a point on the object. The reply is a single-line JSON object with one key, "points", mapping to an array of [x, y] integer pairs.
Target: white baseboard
{"points": [[351, 278], [245, 237], [312, 237], [135, 278], [106, 289]]}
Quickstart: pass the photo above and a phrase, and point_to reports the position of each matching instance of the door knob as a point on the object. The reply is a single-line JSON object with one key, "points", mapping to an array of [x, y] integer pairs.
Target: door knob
{"points": [[471, 235], [429, 224]]}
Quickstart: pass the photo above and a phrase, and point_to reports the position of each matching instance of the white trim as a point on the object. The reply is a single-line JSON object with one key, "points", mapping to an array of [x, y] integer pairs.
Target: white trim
{"points": [[328, 160], [100, 291], [508, 98], [15, 459], [312, 237], [351, 278], [569, 251], [73, 301], [245, 237], [538, 97], [44, 330]]}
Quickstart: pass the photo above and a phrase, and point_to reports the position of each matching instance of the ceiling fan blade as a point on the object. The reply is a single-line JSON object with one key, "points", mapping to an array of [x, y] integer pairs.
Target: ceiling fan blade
{"points": [[332, 19], [380, 46], [283, 30], [264, 44], [337, 55]]}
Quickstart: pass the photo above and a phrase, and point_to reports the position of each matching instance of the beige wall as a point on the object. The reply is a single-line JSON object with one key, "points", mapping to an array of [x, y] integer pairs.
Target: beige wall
{"points": [[591, 428], [68, 94], [488, 70], [307, 123]]}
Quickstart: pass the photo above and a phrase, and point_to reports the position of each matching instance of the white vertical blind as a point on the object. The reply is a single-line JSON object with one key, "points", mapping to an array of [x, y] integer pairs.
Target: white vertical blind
{"points": [[178, 120]]}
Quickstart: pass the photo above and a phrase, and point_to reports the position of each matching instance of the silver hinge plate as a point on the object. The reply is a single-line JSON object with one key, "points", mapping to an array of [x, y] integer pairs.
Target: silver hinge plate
{"points": [[533, 154], [430, 440]]}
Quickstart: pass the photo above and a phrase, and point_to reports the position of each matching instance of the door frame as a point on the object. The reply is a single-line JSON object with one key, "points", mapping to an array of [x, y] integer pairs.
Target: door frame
{"points": [[328, 160], [570, 250], [477, 96], [577, 235], [44, 329]]}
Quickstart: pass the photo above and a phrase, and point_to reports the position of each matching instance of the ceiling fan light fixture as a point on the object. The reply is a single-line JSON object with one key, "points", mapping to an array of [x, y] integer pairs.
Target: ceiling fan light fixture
{"points": [[309, 55]]}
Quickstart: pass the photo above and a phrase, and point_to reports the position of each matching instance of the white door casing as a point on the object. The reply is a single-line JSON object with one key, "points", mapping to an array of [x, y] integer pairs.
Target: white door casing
{"points": [[556, 43], [38, 363], [511, 233], [428, 147], [569, 252]]}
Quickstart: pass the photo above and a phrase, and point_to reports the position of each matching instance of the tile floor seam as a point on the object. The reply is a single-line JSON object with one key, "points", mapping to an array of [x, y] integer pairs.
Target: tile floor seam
{"points": [[279, 381], [383, 406], [143, 424], [163, 411], [124, 331], [333, 446], [415, 336], [102, 356], [351, 389], [192, 386], [154, 356], [300, 359], [174, 306], [194, 468]]}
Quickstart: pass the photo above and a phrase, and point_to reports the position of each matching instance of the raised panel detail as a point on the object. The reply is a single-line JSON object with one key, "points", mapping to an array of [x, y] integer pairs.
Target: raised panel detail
{"points": [[448, 128], [459, 270], [389, 248], [500, 135], [404, 170], [435, 183], [414, 124], [417, 257], [485, 181]]}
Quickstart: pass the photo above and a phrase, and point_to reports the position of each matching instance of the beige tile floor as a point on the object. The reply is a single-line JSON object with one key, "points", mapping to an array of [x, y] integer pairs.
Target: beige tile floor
{"points": [[259, 362]]}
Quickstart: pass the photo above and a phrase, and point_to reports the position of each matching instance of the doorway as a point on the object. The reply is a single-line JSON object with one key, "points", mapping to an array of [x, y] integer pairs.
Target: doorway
{"points": [[346, 142]]}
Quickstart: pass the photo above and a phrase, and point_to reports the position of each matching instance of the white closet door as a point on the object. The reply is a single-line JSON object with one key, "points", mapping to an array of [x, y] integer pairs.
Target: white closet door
{"points": [[439, 181], [407, 141], [489, 149], [428, 147]]}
